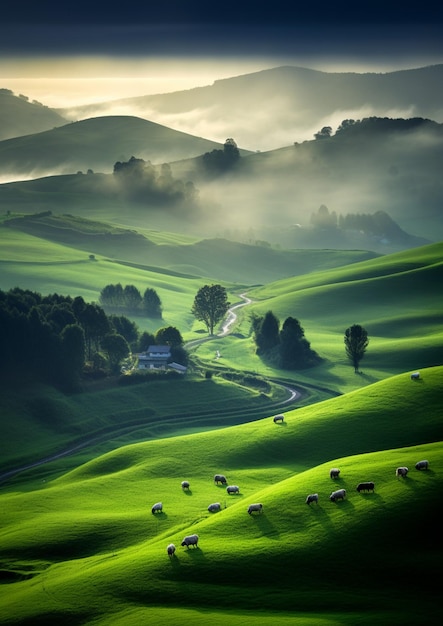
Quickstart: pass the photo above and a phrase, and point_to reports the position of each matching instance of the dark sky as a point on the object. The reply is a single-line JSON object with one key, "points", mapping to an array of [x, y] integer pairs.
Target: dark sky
{"points": [[227, 28]]}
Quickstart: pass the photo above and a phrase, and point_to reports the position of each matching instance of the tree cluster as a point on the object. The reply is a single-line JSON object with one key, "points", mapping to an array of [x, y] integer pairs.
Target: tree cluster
{"points": [[139, 181], [286, 347], [54, 338], [219, 161], [378, 224], [128, 298]]}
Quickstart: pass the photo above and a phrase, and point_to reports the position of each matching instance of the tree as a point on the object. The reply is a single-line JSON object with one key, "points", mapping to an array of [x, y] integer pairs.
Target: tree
{"points": [[72, 352], [266, 332], [116, 349], [356, 342], [151, 303], [295, 349], [324, 133], [210, 305], [131, 298], [125, 327], [170, 336]]}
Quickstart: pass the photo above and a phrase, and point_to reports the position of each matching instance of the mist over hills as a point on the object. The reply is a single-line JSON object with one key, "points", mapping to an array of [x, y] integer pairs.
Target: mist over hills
{"points": [[96, 144], [275, 107]]}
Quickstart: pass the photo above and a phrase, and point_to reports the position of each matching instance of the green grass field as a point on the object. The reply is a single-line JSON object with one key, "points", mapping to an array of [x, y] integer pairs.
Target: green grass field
{"points": [[85, 547], [78, 542]]}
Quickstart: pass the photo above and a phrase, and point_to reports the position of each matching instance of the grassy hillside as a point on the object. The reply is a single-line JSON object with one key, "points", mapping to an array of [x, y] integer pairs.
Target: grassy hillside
{"points": [[107, 414], [219, 259], [99, 552], [97, 144], [396, 298], [22, 117]]}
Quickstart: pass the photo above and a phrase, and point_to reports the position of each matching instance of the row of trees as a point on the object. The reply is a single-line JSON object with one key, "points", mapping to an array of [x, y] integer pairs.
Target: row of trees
{"points": [[128, 298], [51, 338]]}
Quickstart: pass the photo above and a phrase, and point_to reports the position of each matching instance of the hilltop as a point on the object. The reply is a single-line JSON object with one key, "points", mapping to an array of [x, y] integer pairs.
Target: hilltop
{"points": [[20, 116], [96, 144]]}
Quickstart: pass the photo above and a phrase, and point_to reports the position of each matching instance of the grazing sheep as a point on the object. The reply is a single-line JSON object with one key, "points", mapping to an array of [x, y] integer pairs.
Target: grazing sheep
{"points": [[340, 494], [233, 489], [415, 375], [214, 508], [334, 473], [422, 465], [313, 497], [279, 418], [170, 549], [369, 486], [185, 484], [255, 508], [190, 540], [219, 478], [157, 508], [401, 471]]}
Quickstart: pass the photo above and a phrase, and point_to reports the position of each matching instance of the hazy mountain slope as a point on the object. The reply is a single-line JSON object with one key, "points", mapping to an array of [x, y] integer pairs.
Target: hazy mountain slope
{"points": [[96, 144], [390, 166], [21, 117], [272, 108], [375, 164]]}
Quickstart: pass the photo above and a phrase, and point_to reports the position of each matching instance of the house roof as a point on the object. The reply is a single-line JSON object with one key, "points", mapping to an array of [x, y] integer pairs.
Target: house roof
{"points": [[159, 349]]}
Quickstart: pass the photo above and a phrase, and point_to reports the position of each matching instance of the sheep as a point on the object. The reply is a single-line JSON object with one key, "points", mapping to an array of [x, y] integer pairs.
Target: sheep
{"points": [[369, 486], [190, 540], [313, 497], [415, 375], [279, 418], [170, 549], [255, 508], [233, 489], [214, 508], [185, 484], [422, 465], [340, 494], [157, 508], [401, 471], [219, 478], [334, 473]]}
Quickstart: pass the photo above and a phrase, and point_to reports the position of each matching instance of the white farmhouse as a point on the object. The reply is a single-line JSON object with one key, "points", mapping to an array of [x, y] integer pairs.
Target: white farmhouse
{"points": [[155, 358]]}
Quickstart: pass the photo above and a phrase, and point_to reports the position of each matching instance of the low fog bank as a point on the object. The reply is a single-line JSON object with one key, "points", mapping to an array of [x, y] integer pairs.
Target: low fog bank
{"points": [[273, 108]]}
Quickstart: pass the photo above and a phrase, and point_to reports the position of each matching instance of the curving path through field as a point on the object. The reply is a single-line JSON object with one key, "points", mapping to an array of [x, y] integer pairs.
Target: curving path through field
{"points": [[292, 396]]}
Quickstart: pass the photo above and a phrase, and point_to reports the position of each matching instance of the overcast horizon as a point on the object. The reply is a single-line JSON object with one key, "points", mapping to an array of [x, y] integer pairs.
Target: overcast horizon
{"points": [[91, 52]]}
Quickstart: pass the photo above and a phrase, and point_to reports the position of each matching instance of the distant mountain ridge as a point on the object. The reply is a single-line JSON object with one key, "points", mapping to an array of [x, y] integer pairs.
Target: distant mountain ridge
{"points": [[274, 107]]}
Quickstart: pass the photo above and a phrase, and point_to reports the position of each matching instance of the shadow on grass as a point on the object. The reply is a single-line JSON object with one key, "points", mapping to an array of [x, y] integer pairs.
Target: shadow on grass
{"points": [[265, 525]]}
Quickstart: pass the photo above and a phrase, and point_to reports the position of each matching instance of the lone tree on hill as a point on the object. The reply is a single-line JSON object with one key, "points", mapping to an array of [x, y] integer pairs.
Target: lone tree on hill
{"points": [[210, 305], [356, 342]]}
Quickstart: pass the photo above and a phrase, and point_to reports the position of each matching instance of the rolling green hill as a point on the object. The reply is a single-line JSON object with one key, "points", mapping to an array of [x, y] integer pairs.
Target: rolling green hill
{"points": [[395, 297], [86, 548], [219, 259], [97, 144]]}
